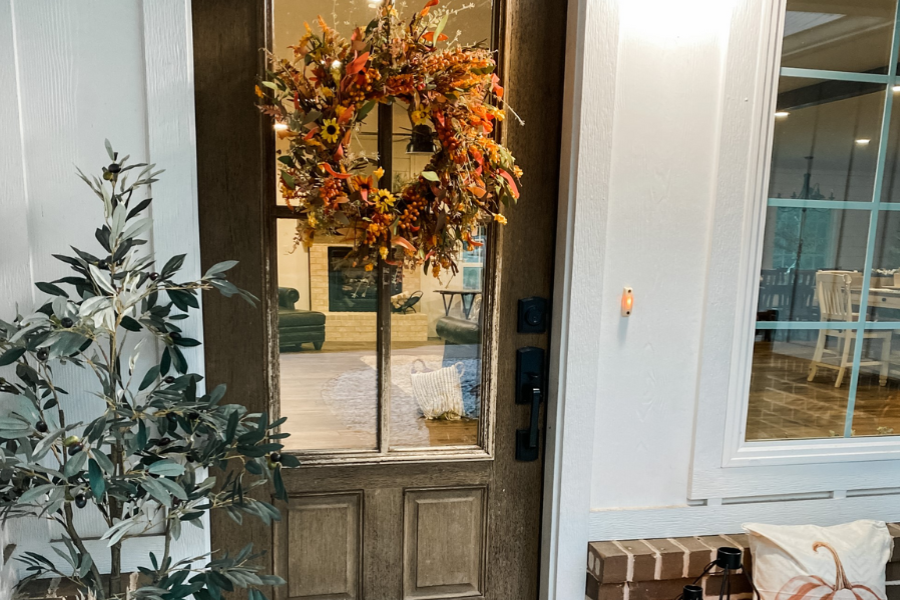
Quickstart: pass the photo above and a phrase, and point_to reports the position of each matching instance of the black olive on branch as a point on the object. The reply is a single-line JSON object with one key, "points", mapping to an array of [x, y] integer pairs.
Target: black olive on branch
{"points": [[169, 379], [41, 427], [42, 354], [80, 501], [67, 322]]}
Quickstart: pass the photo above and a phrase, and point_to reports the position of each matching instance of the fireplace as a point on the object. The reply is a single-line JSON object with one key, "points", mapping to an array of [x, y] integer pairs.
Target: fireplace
{"points": [[352, 288]]}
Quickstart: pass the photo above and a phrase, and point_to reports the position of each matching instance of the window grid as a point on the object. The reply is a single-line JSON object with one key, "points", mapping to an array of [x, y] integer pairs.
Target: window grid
{"points": [[875, 207]]}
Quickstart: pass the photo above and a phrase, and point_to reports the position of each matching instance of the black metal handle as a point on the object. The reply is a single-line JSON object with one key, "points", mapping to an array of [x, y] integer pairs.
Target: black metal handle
{"points": [[529, 390], [527, 439], [535, 412]]}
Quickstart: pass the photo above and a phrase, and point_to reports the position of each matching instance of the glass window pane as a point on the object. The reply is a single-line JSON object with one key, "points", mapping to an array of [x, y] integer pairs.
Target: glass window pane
{"points": [[890, 189], [326, 337], [838, 35], [877, 407], [825, 144], [792, 386], [436, 355], [806, 245]]}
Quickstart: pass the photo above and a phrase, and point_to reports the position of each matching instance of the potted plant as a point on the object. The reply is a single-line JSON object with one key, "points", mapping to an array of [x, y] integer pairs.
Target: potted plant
{"points": [[141, 463]]}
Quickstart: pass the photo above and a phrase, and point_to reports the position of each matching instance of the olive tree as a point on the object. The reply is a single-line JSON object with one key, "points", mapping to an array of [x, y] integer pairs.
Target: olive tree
{"points": [[142, 462]]}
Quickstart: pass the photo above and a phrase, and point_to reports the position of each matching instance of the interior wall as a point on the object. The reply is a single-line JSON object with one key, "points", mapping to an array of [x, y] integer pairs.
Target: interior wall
{"points": [[72, 74], [661, 193]]}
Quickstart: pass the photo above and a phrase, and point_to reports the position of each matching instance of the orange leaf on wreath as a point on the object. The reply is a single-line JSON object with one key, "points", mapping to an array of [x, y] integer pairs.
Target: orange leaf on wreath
{"points": [[497, 89], [512, 184], [480, 192], [334, 173], [428, 37], [402, 241], [428, 7], [358, 63]]}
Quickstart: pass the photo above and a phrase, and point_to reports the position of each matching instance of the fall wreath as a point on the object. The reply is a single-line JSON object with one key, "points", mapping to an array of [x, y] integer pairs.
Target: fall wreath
{"points": [[321, 96]]}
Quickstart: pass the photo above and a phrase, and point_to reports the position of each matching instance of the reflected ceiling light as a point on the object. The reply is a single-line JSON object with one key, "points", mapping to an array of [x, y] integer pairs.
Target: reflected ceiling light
{"points": [[335, 64], [280, 126], [781, 114], [896, 88], [863, 142]]}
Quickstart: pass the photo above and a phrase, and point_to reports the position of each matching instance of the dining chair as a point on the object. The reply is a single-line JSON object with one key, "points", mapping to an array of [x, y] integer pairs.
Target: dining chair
{"points": [[834, 294]]}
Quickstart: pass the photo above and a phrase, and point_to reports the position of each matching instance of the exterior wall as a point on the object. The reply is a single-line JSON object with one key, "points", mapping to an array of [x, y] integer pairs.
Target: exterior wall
{"points": [[661, 193], [656, 144], [72, 74]]}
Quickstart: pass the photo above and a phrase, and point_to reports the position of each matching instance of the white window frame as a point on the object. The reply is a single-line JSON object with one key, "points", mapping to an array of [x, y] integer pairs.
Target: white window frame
{"points": [[724, 465]]}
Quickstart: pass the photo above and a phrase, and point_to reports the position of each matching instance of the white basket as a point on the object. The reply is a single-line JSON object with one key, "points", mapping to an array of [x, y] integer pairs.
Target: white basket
{"points": [[438, 392]]}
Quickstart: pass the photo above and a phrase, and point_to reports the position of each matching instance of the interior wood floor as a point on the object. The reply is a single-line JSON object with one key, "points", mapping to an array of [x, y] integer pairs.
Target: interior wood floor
{"points": [[315, 424], [784, 405]]}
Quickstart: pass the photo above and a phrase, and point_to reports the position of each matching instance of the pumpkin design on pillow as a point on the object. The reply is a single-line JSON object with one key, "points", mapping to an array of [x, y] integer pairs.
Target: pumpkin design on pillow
{"points": [[813, 587]]}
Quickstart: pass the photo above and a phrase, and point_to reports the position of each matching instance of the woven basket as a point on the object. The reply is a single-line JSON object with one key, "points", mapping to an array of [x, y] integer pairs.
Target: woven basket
{"points": [[438, 392]]}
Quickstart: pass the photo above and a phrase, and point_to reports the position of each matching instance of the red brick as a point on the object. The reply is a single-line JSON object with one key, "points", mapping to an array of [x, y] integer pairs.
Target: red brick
{"points": [[657, 590], [700, 555], [644, 558], [671, 557], [613, 562]]}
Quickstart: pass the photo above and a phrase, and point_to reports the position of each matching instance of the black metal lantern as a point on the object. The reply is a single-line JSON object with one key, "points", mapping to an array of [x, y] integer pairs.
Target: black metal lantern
{"points": [[421, 140], [728, 561]]}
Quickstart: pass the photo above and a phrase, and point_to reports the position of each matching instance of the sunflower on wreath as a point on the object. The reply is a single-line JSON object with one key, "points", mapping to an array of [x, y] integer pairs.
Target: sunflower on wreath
{"points": [[323, 93]]}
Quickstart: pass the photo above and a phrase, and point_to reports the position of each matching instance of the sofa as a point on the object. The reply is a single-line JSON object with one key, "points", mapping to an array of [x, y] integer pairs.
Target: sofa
{"points": [[297, 327]]}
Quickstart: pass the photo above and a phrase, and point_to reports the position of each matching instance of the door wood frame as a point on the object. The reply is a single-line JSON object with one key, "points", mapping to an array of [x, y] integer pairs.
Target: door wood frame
{"points": [[235, 146]]}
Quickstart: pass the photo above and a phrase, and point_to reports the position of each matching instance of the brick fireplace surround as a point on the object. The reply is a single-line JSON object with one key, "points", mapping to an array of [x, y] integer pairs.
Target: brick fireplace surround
{"points": [[659, 569]]}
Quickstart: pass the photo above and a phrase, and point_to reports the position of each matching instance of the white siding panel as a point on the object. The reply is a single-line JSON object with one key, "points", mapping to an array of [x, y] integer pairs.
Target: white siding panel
{"points": [[71, 75]]}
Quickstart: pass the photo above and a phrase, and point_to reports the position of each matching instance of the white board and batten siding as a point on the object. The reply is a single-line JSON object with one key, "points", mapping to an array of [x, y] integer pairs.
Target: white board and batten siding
{"points": [[669, 104], [72, 74]]}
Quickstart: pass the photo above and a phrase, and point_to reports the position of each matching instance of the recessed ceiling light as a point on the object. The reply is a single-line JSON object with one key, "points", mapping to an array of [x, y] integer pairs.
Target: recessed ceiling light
{"points": [[280, 126], [863, 142], [781, 114]]}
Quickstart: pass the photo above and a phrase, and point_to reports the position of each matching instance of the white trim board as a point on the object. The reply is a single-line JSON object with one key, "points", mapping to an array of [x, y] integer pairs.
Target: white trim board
{"points": [[588, 106], [687, 521]]}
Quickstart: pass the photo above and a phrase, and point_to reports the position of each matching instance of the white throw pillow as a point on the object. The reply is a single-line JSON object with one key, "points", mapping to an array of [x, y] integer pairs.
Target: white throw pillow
{"points": [[844, 562]]}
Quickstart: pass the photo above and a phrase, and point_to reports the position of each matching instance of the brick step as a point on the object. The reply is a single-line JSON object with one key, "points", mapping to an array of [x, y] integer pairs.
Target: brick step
{"points": [[658, 569]]}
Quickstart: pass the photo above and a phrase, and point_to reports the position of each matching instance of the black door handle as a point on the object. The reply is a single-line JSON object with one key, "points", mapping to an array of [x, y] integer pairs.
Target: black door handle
{"points": [[529, 379]]}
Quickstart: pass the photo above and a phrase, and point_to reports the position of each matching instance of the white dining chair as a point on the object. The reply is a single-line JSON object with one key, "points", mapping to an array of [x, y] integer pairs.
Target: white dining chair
{"points": [[833, 292]]}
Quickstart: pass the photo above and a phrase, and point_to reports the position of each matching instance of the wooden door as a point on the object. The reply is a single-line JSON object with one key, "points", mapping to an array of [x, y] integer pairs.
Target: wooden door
{"points": [[372, 515]]}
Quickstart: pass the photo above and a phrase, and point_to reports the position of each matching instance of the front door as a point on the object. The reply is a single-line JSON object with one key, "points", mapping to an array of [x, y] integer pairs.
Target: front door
{"points": [[389, 502]]}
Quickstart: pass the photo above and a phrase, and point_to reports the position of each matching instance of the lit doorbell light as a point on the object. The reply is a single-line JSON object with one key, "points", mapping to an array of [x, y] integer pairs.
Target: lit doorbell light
{"points": [[627, 301]]}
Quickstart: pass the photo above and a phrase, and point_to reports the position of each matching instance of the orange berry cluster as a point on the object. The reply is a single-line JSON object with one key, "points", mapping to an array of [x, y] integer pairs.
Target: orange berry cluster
{"points": [[361, 89], [331, 189], [414, 203]]}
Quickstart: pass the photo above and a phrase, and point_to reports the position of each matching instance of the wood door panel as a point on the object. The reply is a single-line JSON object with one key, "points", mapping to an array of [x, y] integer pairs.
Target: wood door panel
{"points": [[414, 475], [443, 541], [320, 543]]}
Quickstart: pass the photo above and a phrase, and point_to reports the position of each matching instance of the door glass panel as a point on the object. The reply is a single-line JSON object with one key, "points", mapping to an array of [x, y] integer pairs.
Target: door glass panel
{"points": [[825, 144], [838, 36], [787, 400], [326, 339], [436, 354], [329, 389]]}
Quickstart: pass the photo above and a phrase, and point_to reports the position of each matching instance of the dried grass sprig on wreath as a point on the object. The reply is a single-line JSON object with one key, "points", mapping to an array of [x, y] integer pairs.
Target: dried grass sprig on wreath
{"points": [[322, 95]]}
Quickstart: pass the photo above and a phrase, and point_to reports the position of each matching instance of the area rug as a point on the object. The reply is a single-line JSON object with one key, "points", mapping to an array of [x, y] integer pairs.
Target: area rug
{"points": [[351, 397]]}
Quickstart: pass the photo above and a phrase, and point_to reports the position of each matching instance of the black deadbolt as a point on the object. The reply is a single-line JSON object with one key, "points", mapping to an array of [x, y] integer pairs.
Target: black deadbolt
{"points": [[532, 315]]}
